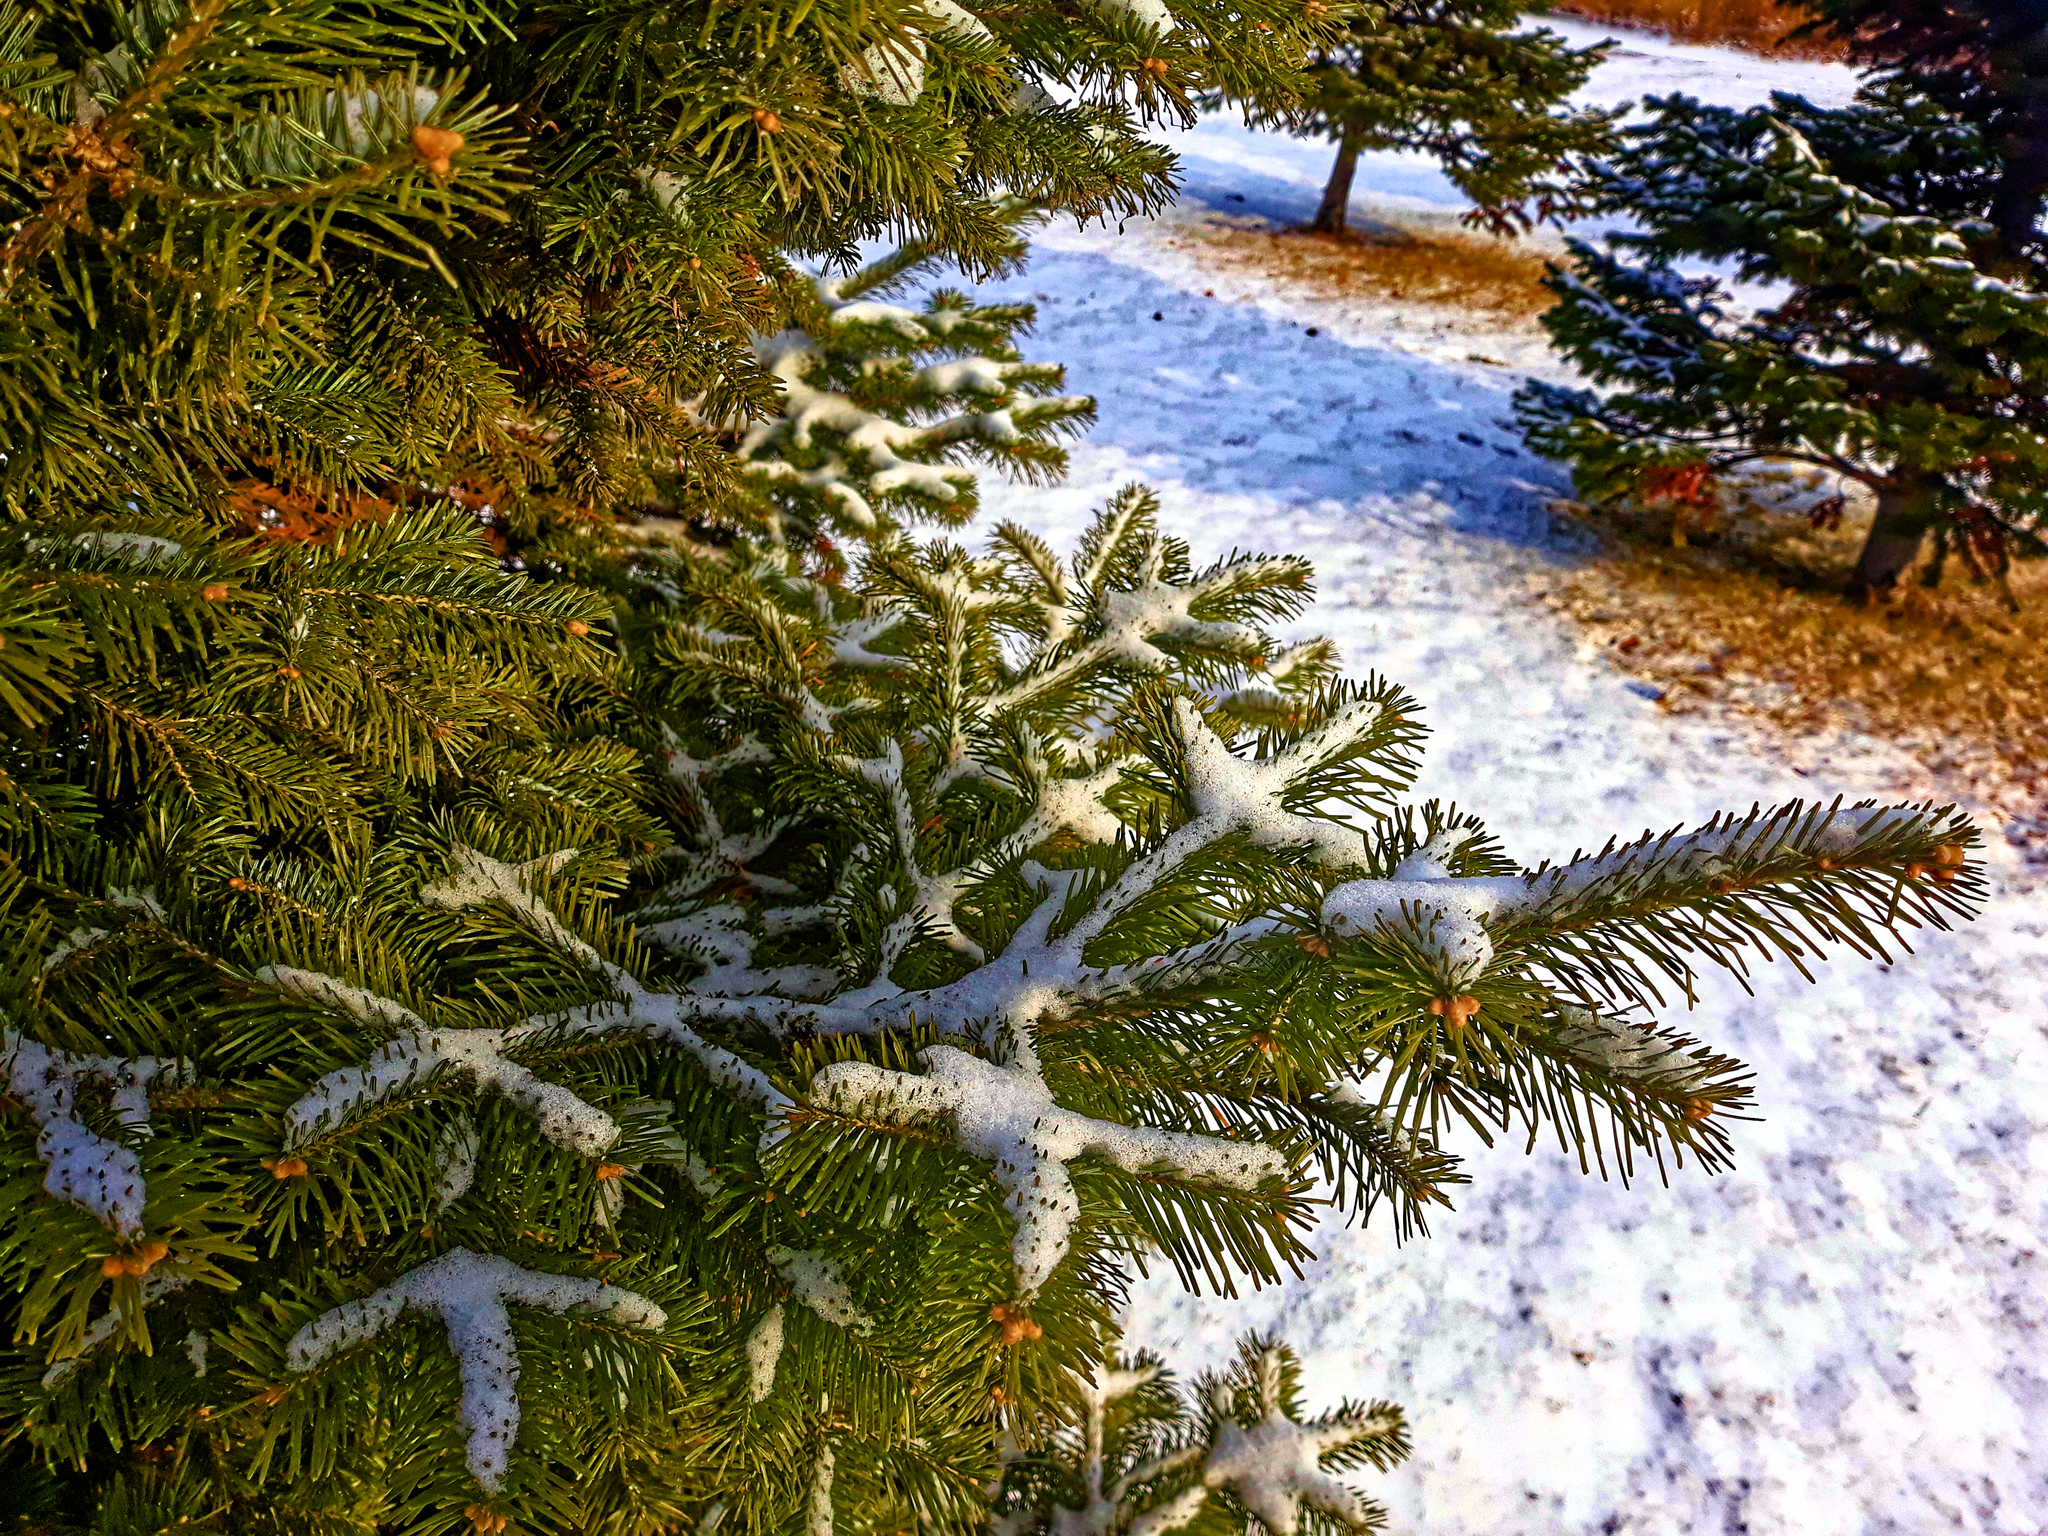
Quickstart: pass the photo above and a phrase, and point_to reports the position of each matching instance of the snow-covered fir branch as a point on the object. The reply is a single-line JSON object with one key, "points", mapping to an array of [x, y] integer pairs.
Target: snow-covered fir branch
{"points": [[879, 401], [1460, 918], [1144, 1460], [82, 1167], [1007, 1115], [470, 1292], [417, 1052]]}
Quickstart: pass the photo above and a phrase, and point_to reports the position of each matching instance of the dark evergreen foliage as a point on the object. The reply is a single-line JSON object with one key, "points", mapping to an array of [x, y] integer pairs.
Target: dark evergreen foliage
{"points": [[1984, 60], [1905, 348], [1462, 81]]}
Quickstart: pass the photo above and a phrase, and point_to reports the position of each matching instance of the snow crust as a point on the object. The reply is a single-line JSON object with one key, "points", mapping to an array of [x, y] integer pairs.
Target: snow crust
{"points": [[764, 1354], [418, 1052], [820, 1284], [470, 1292], [1456, 916], [81, 1166], [1274, 1465], [818, 1508]]}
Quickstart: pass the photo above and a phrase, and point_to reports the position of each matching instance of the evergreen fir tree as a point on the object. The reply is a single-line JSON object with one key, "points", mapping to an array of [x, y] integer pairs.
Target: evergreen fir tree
{"points": [[1146, 1461], [1459, 80], [687, 1034], [1908, 356], [1986, 61]]}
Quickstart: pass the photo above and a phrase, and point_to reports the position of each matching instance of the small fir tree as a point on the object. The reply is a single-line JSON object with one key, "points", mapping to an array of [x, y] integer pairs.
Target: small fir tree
{"points": [[1462, 81], [1146, 1461], [1908, 354]]}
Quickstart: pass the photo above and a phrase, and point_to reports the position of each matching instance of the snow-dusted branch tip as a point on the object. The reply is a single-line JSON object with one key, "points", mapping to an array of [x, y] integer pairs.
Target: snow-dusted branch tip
{"points": [[1007, 1115], [470, 1292]]}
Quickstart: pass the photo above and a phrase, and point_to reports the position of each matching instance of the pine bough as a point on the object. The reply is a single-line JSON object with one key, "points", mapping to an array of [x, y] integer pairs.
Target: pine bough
{"points": [[1010, 919]]}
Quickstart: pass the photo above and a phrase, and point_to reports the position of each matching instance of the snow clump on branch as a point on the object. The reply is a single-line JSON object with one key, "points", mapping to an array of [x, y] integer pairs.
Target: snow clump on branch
{"points": [[83, 1167], [1008, 1116], [470, 1292]]}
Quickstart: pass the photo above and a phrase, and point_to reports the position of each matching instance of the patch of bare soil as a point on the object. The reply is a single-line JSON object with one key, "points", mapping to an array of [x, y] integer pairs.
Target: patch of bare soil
{"points": [[1751, 619], [1493, 277]]}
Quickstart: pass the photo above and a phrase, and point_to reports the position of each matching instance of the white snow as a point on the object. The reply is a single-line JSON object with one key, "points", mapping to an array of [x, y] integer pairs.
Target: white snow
{"points": [[1146, 13], [1275, 1465], [418, 1051], [1455, 915], [371, 120], [820, 1284], [470, 1292], [764, 1354], [877, 443], [138, 548], [896, 75], [1006, 1115], [81, 1166], [455, 1153], [1838, 1338], [818, 1516]]}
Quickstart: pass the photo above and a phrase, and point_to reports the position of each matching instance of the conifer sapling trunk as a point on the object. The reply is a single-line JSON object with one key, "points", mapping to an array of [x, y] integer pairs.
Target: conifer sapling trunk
{"points": [[1333, 213]]}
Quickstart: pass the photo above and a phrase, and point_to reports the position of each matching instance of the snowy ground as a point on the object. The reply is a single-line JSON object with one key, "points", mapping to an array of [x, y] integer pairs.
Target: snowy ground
{"points": [[1842, 1335]]}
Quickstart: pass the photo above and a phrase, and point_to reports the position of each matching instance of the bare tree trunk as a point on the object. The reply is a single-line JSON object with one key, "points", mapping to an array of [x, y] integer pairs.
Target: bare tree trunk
{"points": [[1330, 217], [1906, 509]]}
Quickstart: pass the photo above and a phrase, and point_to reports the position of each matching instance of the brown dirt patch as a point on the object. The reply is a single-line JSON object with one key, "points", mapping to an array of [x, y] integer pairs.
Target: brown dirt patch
{"points": [[1754, 621], [1759, 26], [1477, 272]]}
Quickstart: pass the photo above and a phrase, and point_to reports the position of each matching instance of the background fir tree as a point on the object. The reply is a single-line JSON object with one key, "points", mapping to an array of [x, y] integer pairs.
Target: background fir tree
{"points": [[1909, 356], [1984, 60], [1462, 81]]}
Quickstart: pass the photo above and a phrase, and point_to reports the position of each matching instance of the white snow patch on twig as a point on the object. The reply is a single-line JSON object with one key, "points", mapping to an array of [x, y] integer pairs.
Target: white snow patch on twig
{"points": [[470, 1291]]}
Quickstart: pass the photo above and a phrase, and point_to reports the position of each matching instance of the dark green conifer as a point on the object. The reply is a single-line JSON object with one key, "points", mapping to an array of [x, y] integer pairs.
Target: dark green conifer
{"points": [[1984, 60], [315, 249], [620, 1072], [1461, 80], [519, 1018], [1903, 348]]}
